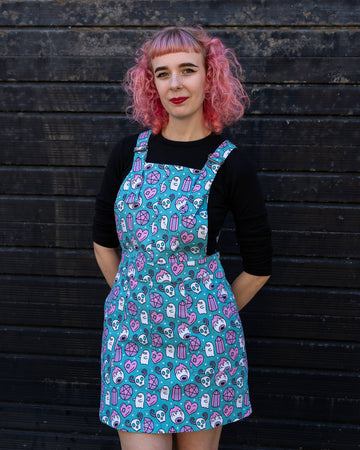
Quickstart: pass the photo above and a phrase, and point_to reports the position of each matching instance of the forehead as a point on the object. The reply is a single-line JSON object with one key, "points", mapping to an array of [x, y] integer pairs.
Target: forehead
{"points": [[174, 60]]}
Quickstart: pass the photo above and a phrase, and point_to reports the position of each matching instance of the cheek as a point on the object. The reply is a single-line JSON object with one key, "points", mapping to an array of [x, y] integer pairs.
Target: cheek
{"points": [[201, 86], [160, 86]]}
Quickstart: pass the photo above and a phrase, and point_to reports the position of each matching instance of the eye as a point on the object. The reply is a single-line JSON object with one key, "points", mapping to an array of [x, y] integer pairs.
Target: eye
{"points": [[188, 71], [162, 75]]}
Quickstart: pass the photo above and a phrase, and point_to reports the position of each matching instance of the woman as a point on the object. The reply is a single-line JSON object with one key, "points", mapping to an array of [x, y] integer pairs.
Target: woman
{"points": [[173, 353]]}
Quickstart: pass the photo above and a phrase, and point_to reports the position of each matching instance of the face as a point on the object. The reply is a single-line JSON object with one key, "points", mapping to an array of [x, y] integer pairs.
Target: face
{"points": [[180, 81]]}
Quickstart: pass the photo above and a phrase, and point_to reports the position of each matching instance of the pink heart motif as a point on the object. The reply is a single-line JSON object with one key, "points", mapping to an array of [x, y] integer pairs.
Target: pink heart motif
{"points": [[125, 410], [233, 353], [227, 410], [133, 283], [233, 371], [177, 268], [190, 407], [134, 324], [156, 356], [149, 193], [141, 234], [186, 237], [151, 399], [229, 310], [197, 360], [157, 317], [191, 318], [130, 366]]}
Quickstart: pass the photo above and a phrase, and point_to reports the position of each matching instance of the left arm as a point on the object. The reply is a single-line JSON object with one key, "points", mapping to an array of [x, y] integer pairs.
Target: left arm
{"points": [[246, 202], [245, 286]]}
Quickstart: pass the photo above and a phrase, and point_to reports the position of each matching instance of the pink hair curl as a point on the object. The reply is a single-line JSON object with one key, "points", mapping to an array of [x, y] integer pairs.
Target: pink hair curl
{"points": [[225, 97]]}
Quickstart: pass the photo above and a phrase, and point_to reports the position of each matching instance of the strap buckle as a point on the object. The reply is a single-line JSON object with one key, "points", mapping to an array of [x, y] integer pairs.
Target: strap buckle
{"points": [[141, 147], [214, 161]]}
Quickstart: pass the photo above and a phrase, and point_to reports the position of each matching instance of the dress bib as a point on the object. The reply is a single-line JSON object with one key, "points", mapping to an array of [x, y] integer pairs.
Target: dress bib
{"points": [[173, 353]]}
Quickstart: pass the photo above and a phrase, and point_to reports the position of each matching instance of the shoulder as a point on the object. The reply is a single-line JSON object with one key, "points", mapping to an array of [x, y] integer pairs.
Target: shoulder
{"points": [[125, 145], [123, 151], [239, 163]]}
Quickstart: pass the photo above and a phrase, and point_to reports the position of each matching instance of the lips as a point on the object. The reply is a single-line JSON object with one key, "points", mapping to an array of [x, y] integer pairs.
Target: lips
{"points": [[178, 100]]}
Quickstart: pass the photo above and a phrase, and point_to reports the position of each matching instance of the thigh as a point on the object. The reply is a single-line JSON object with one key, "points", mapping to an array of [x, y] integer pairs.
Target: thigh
{"points": [[199, 440], [142, 441]]}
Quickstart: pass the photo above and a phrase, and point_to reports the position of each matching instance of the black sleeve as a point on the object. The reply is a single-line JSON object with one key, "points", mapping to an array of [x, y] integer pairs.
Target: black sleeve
{"points": [[247, 205], [118, 165]]}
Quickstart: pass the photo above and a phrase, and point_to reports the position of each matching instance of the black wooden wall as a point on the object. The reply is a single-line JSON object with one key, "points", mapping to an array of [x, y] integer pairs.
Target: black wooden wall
{"points": [[62, 109]]}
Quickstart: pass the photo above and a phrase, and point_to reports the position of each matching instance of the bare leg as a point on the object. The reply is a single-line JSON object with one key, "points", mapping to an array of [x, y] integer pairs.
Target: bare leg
{"points": [[199, 440], [145, 441]]}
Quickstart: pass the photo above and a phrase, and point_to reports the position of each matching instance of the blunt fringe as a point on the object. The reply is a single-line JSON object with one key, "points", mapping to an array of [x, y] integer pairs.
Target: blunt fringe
{"points": [[225, 97]]}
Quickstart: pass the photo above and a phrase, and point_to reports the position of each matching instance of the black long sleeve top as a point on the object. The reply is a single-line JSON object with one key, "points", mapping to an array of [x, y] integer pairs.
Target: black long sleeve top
{"points": [[235, 188]]}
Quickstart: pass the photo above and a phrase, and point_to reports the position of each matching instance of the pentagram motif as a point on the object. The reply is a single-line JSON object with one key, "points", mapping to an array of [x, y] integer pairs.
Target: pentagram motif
{"points": [[132, 308], [148, 425], [156, 340], [194, 343], [155, 300], [153, 177], [142, 217], [229, 394], [131, 348], [126, 391], [191, 390], [188, 221], [230, 337], [153, 382]]}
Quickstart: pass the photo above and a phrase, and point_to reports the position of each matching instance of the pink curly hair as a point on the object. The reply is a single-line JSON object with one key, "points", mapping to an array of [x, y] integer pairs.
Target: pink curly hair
{"points": [[225, 97]]}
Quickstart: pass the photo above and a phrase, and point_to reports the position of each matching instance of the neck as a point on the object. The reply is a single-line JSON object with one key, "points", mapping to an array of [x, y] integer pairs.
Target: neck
{"points": [[178, 130]]}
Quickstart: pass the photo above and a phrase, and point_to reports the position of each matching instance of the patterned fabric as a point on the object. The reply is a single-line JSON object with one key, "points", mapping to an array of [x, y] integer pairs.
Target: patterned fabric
{"points": [[173, 352]]}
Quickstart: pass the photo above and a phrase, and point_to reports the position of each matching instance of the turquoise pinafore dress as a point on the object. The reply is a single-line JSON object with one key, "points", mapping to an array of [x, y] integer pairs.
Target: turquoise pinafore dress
{"points": [[173, 353]]}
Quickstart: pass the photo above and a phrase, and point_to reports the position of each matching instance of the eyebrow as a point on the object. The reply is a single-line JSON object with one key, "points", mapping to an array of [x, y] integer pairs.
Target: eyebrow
{"points": [[188, 64]]}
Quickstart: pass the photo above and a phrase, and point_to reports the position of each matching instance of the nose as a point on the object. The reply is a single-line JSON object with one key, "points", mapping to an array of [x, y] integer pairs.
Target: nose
{"points": [[176, 81]]}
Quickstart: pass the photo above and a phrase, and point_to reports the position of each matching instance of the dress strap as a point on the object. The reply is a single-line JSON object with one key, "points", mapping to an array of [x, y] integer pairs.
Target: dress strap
{"points": [[142, 141], [217, 158]]}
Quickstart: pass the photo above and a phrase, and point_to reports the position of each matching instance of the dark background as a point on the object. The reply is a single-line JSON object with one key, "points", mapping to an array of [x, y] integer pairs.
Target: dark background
{"points": [[62, 109]]}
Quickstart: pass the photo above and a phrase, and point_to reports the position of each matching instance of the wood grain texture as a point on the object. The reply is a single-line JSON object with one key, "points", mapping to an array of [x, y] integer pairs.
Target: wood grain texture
{"points": [[282, 69], [121, 43], [209, 13], [110, 98], [62, 109], [276, 130]]}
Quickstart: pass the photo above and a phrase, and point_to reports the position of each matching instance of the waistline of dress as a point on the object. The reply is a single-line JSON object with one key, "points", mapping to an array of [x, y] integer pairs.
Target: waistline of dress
{"points": [[173, 273]]}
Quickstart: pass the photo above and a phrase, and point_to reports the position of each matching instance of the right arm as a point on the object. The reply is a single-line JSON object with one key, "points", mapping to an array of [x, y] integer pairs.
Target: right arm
{"points": [[105, 237], [108, 260]]}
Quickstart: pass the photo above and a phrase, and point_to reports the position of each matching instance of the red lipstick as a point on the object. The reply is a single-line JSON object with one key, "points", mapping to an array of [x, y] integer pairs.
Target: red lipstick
{"points": [[178, 100]]}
